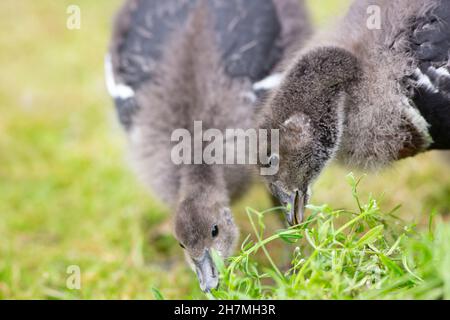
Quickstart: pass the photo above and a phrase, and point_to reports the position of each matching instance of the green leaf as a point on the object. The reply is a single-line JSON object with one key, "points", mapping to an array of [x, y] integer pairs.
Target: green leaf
{"points": [[157, 294], [323, 231], [289, 238], [391, 265], [395, 246], [247, 243], [430, 224], [309, 239], [351, 180], [218, 261], [370, 237]]}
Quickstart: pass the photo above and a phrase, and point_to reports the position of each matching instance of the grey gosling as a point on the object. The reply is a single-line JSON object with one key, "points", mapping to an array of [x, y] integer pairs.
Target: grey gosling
{"points": [[175, 62], [361, 95]]}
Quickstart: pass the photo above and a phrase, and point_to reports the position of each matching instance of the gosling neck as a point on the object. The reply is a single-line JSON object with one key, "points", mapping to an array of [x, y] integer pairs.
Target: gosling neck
{"points": [[203, 181]]}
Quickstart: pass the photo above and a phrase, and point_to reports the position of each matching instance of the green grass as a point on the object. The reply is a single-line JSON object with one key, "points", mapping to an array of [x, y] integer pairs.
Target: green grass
{"points": [[67, 196], [339, 254]]}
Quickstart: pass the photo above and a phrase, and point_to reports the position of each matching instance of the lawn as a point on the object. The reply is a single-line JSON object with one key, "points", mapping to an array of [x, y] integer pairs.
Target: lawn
{"points": [[67, 196]]}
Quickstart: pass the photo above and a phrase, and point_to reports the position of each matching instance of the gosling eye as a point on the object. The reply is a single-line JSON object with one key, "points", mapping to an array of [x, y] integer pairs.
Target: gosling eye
{"points": [[274, 160], [215, 231], [181, 245]]}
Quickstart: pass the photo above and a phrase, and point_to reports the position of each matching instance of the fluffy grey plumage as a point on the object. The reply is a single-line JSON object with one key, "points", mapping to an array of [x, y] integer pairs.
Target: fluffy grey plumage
{"points": [[201, 67], [347, 97]]}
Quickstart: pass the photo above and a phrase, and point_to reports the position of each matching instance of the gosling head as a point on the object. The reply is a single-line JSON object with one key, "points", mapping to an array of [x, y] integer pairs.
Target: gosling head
{"points": [[308, 111], [202, 225], [299, 158]]}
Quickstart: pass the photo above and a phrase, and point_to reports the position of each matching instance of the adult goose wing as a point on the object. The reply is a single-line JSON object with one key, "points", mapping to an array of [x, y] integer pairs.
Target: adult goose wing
{"points": [[141, 29], [255, 35], [431, 46]]}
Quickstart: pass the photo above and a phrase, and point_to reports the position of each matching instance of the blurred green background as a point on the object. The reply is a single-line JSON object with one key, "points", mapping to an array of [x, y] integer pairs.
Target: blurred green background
{"points": [[67, 196]]}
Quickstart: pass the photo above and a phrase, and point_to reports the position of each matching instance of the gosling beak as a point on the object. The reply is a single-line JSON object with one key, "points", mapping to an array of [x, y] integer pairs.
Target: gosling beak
{"points": [[206, 272], [296, 208], [294, 202]]}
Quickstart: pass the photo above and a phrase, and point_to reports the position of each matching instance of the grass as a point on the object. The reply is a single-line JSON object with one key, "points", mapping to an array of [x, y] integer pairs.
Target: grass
{"points": [[342, 254], [67, 196]]}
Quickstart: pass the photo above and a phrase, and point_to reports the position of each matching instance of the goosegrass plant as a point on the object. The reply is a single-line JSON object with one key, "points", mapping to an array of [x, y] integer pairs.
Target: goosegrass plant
{"points": [[340, 254]]}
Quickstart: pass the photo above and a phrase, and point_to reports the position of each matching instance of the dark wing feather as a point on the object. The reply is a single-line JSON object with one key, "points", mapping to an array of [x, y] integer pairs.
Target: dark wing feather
{"points": [[247, 33], [142, 28], [255, 35], [431, 38], [252, 37], [431, 45]]}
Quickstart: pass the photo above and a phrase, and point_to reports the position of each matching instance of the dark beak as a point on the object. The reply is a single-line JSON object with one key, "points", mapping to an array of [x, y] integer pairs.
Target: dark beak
{"points": [[294, 202], [296, 208], [206, 272]]}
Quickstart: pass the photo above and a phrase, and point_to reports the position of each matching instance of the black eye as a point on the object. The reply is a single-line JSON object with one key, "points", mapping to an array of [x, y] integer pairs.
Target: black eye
{"points": [[274, 160], [215, 231], [181, 245]]}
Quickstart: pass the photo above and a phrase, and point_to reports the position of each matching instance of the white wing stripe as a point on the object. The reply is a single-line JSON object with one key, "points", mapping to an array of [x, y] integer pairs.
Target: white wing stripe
{"points": [[424, 80], [117, 91], [271, 82]]}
